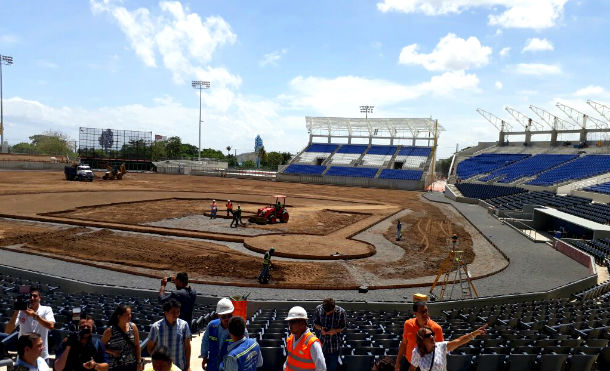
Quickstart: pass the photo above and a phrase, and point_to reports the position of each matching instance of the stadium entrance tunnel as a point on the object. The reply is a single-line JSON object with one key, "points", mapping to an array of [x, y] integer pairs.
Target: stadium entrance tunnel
{"points": [[303, 246]]}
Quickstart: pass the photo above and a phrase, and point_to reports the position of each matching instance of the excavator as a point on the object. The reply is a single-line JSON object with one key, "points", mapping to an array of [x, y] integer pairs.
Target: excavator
{"points": [[115, 172]]}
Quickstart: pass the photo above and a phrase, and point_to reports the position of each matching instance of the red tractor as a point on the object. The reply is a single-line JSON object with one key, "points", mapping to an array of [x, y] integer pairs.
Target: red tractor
{"points": [[273, 213]]}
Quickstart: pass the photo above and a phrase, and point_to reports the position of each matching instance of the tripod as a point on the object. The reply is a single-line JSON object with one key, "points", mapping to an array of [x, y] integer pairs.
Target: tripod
{"points": [[453, 263]]}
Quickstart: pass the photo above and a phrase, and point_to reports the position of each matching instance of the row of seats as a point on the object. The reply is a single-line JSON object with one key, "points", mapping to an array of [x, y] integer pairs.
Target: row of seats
{"points": [[581, 168], [486, 191], [322, 147], [599, 188], [596, 212], [542, 198], [357, 172], [304, 169], [401, 174], [599, 249], [530, 166], [485, 163], [555, 334]]}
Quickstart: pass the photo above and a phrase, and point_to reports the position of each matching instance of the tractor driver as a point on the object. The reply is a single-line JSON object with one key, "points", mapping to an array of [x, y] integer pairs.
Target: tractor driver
{"points": [[263, 277]]}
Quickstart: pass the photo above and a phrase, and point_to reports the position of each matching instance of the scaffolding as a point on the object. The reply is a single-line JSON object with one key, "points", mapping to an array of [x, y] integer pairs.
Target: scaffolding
{"points": [[102, 147]]}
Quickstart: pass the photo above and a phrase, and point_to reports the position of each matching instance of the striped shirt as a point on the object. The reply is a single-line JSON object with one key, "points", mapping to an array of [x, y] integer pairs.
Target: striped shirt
{"points": [[172, 337], [336, 320]]}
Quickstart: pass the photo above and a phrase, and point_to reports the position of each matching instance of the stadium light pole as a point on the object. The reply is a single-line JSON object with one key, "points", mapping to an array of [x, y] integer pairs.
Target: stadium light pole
{"points": [[200, 85], [4, 59], [366, 110]]}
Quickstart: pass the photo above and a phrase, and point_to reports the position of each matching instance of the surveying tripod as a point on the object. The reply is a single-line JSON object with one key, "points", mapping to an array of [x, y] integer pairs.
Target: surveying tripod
{"points": [[454, 264]]}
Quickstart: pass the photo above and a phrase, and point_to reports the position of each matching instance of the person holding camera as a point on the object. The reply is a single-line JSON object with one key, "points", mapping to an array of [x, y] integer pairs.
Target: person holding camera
{"points": [[184, 294], [29, 349], [122, 341], [329, 320], [80, 351], [30, 316]]}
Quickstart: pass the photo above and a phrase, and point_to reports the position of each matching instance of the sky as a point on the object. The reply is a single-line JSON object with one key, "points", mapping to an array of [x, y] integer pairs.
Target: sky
{"points": [[129, 65]]}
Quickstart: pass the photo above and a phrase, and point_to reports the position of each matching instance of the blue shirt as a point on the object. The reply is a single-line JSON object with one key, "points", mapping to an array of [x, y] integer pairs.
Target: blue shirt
{"points": [[223, 334], [172, 337], [41, 364], [231, 364]]}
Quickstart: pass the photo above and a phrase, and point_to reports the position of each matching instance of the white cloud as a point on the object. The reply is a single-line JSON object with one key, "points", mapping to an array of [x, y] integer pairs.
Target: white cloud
{"points": [[591, 91], [338, 96], [184, 42], [498, 85], [47, 64], [166, 117], [452, 53], [8, 39], [272, 58], [535, 45], [537, 69], [504, 52], [536, 14]]}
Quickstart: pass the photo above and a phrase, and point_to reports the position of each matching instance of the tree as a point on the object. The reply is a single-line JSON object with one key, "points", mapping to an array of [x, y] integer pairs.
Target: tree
{"points": [[248, 164], [228, 151], [262, 155], [173, 148], [188, 150], [158, 151], [106, 140], [212, 153], [23, 147], [51, 143], [274, 159]]}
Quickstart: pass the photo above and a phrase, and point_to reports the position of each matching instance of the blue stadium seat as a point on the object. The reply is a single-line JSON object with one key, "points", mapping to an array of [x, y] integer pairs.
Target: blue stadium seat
{"points": [[401, 174], [304, 169], [527, 167], [485, 163], [599, 188], [382, 150], [355, 172], [352, 148], [583, 167], [322, 147]]}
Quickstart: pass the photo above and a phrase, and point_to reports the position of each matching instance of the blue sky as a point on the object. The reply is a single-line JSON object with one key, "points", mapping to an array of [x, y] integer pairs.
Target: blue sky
{"points": [[129, 64]]}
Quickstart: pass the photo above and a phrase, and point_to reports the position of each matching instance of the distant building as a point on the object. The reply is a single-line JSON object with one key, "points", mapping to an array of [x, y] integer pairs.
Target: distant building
{"points": [[159, 138], [258, 144]]}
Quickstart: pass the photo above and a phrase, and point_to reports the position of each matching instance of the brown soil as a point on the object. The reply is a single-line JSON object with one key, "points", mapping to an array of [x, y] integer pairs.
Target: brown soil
{"points": [[204, 260], [426, 240], [425, 243]]}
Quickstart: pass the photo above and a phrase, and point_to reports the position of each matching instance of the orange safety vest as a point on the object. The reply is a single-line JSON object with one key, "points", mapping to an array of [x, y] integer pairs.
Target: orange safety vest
{"points": [[229, 206], [299, 358]]}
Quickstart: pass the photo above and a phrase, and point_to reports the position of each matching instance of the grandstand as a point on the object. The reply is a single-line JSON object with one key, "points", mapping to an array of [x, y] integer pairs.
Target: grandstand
{"points": [[400, 163]]}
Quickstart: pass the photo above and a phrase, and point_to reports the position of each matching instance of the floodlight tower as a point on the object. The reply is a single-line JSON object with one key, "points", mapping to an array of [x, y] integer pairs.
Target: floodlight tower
{"points": [[200, 85], [366, 110], [4, 59]]}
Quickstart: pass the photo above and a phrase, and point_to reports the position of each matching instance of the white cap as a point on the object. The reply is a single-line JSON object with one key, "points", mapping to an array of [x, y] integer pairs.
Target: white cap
{"points": [[213, 200], [224, 306], [297, 313]]}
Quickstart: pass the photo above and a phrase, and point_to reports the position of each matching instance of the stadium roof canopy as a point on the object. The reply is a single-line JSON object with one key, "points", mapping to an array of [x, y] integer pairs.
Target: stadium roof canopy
{"points": [[382, 128]]}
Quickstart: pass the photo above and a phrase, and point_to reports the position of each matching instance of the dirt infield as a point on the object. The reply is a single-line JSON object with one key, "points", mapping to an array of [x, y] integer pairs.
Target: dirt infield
{"points": [[97, 221]]}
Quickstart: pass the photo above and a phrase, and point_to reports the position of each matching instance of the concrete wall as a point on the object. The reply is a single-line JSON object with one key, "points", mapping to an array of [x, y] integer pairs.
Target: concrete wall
{"points": [[30, 165], [409, 185], [575, 254], [69, 285]]}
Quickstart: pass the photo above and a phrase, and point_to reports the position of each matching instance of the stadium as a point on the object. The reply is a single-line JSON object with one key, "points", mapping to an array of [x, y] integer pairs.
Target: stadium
{"points": [[529, 221], [199, 186]]}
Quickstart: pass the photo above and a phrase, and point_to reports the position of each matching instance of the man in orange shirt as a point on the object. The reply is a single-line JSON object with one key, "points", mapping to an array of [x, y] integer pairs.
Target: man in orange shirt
{"points": [[412, 325]]}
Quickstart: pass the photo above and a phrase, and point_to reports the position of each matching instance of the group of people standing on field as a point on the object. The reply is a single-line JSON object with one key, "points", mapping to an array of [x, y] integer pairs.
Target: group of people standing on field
{"points": [[236, 221]]}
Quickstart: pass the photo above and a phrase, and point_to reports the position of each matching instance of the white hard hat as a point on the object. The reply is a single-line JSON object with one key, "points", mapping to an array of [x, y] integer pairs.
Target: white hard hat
{"points": [[297, 313], [224, 306]]}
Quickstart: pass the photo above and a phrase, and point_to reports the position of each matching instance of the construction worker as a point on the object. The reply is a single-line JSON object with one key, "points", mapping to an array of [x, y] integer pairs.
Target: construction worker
{"points": [[398, 230], [303, 348], [244, 353], [263, 277], [216, 339], [237, 217], [229, 207], [213, 209]]}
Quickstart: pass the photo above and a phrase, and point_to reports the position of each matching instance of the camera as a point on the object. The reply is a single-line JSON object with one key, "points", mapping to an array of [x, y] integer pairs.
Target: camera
{"points": [[22, 301], [170, 279]]}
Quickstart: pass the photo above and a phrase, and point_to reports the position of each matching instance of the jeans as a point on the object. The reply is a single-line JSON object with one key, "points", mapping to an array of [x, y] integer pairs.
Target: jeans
{"points": [[332, 361]]}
